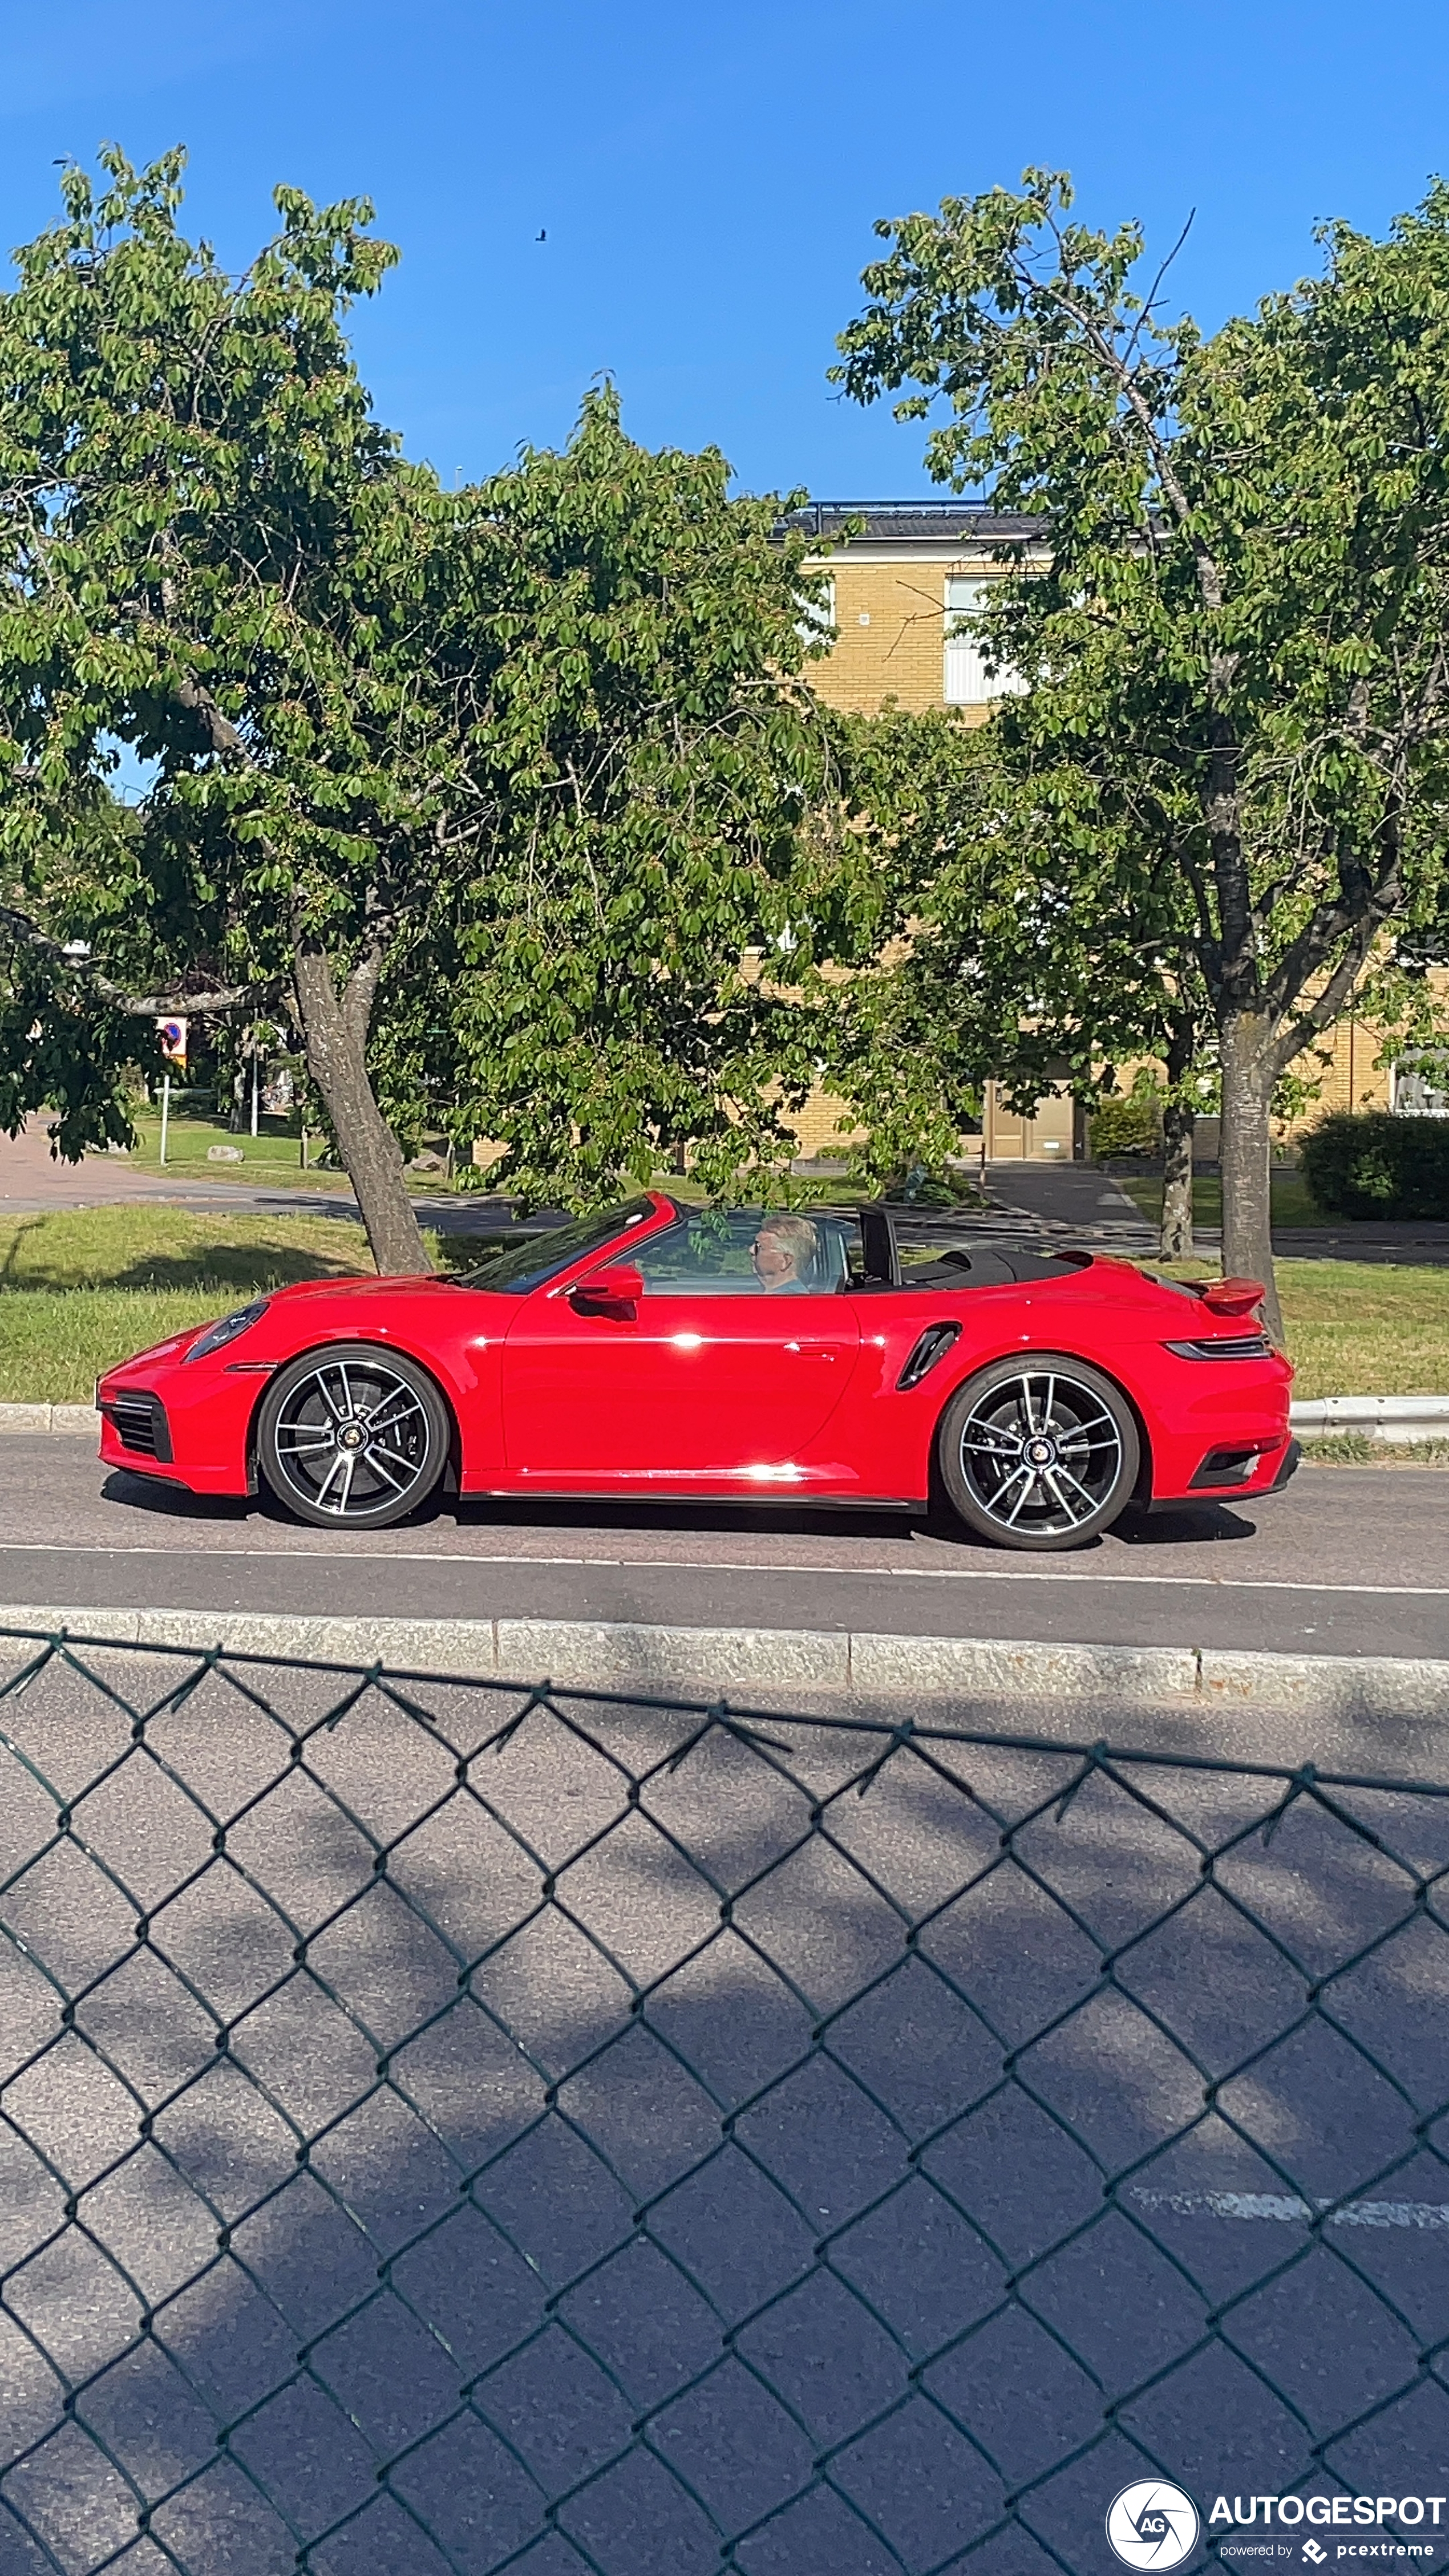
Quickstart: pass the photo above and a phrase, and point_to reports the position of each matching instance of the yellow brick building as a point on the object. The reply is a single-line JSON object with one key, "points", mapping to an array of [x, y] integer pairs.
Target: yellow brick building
{"points": [[899, 587]]}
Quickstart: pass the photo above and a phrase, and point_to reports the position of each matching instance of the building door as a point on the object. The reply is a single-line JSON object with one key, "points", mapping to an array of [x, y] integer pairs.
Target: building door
{"points": [[1049, 1137]]}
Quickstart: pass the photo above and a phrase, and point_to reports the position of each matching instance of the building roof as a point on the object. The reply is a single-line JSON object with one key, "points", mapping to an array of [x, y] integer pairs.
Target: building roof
{"points": [[935, 522]]}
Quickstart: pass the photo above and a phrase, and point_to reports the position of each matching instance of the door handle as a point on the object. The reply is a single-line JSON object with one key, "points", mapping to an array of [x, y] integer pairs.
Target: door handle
{"points": [[811, 1350]]}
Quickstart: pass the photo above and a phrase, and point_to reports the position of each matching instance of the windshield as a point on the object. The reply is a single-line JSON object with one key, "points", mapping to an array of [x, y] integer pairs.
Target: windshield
{"points": [[526, 1265]]}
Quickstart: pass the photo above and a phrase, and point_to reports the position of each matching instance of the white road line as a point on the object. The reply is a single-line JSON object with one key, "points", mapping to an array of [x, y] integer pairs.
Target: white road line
{"points": [[730, 1565], [1283, 2207]]}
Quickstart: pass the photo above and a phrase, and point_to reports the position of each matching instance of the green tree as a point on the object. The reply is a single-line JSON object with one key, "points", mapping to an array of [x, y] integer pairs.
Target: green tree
{"points": [[216, 556], [1232, 625], [494, 787], [649, 754], [1008, 953]]}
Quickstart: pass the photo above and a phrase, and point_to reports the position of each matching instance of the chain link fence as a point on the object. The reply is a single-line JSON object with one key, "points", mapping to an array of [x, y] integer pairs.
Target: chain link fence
{"points": [[446, 2127]]}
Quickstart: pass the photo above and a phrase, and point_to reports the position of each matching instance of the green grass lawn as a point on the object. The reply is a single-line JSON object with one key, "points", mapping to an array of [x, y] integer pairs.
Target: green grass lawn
{"points": [[1366, 1327], [85, 1287], [272, 1159], [1293, 1203]]}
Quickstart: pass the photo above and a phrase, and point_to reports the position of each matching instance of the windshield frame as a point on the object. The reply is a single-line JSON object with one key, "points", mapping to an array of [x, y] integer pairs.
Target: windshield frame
{"points": [[542, 1258]]}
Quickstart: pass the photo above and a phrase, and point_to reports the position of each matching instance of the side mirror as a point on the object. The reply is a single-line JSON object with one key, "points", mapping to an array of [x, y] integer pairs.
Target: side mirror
{"points": [[609, 1292]]}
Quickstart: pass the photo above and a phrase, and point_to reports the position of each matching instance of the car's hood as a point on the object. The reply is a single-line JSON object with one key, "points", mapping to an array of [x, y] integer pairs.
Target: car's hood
{"points": [[364, 1285]]}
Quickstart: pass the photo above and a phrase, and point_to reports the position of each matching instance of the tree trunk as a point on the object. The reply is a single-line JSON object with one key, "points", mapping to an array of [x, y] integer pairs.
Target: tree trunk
{"points": [[1175, 1240], [1178, 1122], [1245, 1040], [334, 1030]]}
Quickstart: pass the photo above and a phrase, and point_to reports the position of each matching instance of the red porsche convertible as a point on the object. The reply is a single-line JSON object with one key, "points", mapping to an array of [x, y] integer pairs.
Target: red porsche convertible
{"points": [[674, 1352]]}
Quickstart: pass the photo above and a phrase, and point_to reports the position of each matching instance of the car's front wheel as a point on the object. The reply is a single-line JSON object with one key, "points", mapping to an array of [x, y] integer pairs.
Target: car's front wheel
{"points": [[1039, 1452], [352, 1437]]}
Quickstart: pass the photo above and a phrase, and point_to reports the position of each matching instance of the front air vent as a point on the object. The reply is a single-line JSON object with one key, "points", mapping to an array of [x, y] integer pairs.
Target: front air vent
{"points": [[140, 1423], [1225, 1467]]}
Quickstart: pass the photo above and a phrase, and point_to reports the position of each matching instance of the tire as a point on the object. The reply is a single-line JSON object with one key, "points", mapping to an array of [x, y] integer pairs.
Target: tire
{"points": [[320, 1453], [1046, 1501]]}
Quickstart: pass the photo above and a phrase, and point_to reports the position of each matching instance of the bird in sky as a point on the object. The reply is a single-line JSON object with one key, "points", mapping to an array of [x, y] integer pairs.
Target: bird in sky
{"points": [[540, 236]]}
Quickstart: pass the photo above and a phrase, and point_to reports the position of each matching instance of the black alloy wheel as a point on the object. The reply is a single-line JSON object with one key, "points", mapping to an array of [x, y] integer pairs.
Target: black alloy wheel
{"points": [[352, 1437], [1040, 1452]]}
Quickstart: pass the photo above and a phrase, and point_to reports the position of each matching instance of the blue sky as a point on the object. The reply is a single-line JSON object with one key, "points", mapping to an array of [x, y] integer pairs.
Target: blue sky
{"points": [[707, 177]]}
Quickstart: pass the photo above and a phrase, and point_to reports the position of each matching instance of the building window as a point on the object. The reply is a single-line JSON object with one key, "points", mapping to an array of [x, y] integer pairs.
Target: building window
{"points": [[815, 624], [1421, 1086], [968, 682]]}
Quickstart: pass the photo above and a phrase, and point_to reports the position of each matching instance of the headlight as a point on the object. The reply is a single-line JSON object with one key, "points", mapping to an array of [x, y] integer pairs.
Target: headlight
{"points": [[216, 1336]]}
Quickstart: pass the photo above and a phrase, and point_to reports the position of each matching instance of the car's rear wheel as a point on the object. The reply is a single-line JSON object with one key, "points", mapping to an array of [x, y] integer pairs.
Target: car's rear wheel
{"points": [[1040, 1452], [352, 1437]]}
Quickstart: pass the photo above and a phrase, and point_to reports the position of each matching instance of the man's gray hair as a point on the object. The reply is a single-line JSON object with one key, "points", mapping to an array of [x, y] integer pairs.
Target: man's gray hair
{"points": [[799, 1236]]}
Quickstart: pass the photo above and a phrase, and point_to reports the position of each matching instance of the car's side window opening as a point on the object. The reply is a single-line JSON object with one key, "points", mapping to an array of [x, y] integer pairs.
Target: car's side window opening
{"points": [[523, 1266], [752, 1252]]}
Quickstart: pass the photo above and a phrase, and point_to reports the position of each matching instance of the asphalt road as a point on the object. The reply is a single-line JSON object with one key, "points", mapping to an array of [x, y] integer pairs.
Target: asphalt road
{"points": [[1346, 1561]]}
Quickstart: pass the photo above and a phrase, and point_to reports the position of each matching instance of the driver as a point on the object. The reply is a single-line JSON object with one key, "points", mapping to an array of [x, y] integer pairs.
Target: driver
{"points": [[783, 1254]]}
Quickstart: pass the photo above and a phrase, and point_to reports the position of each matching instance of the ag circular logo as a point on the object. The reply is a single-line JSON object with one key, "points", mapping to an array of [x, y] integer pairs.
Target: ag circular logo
{"points": [[1152, 2525]]}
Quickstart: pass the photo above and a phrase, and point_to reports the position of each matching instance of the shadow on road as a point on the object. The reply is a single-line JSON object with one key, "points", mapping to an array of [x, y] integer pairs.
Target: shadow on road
{"points": [[1135, 1530]]}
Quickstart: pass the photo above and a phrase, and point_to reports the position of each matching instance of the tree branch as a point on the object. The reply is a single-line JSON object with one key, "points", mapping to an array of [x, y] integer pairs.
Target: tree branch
{"points": [[141, 1006], [224, 735], [1307, 1024], [1364, 905]]}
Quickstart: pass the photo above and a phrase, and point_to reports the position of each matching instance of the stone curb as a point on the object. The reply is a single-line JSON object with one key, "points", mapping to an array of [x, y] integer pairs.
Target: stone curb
{"points": [[708, 1663], [51, 1417]]}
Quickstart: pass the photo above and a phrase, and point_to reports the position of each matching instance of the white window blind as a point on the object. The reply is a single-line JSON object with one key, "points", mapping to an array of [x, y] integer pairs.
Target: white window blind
{"points": [[816, 621], [968, 682]]}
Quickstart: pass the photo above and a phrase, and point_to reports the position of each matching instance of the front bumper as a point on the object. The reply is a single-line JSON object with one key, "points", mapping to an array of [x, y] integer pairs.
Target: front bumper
{"points": [[199, 1424]]}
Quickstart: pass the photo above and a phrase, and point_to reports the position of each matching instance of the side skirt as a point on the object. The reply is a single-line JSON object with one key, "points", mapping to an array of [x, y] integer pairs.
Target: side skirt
{"points": [[773, 1498]]}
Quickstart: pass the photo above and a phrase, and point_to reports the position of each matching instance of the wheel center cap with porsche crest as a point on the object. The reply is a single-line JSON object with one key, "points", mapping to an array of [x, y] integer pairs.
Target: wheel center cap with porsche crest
{"points": [[1042, 1453], [352, 1436]]}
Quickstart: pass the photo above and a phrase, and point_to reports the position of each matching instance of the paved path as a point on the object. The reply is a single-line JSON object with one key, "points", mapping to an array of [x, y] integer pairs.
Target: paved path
{"points": [[33, 1182], [1347, 1561], [1071, 1198], [1074, 1200]]}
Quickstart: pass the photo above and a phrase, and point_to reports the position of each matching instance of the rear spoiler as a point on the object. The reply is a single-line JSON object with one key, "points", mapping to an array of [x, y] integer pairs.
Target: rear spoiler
{"points": [[1229, 1296]]}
